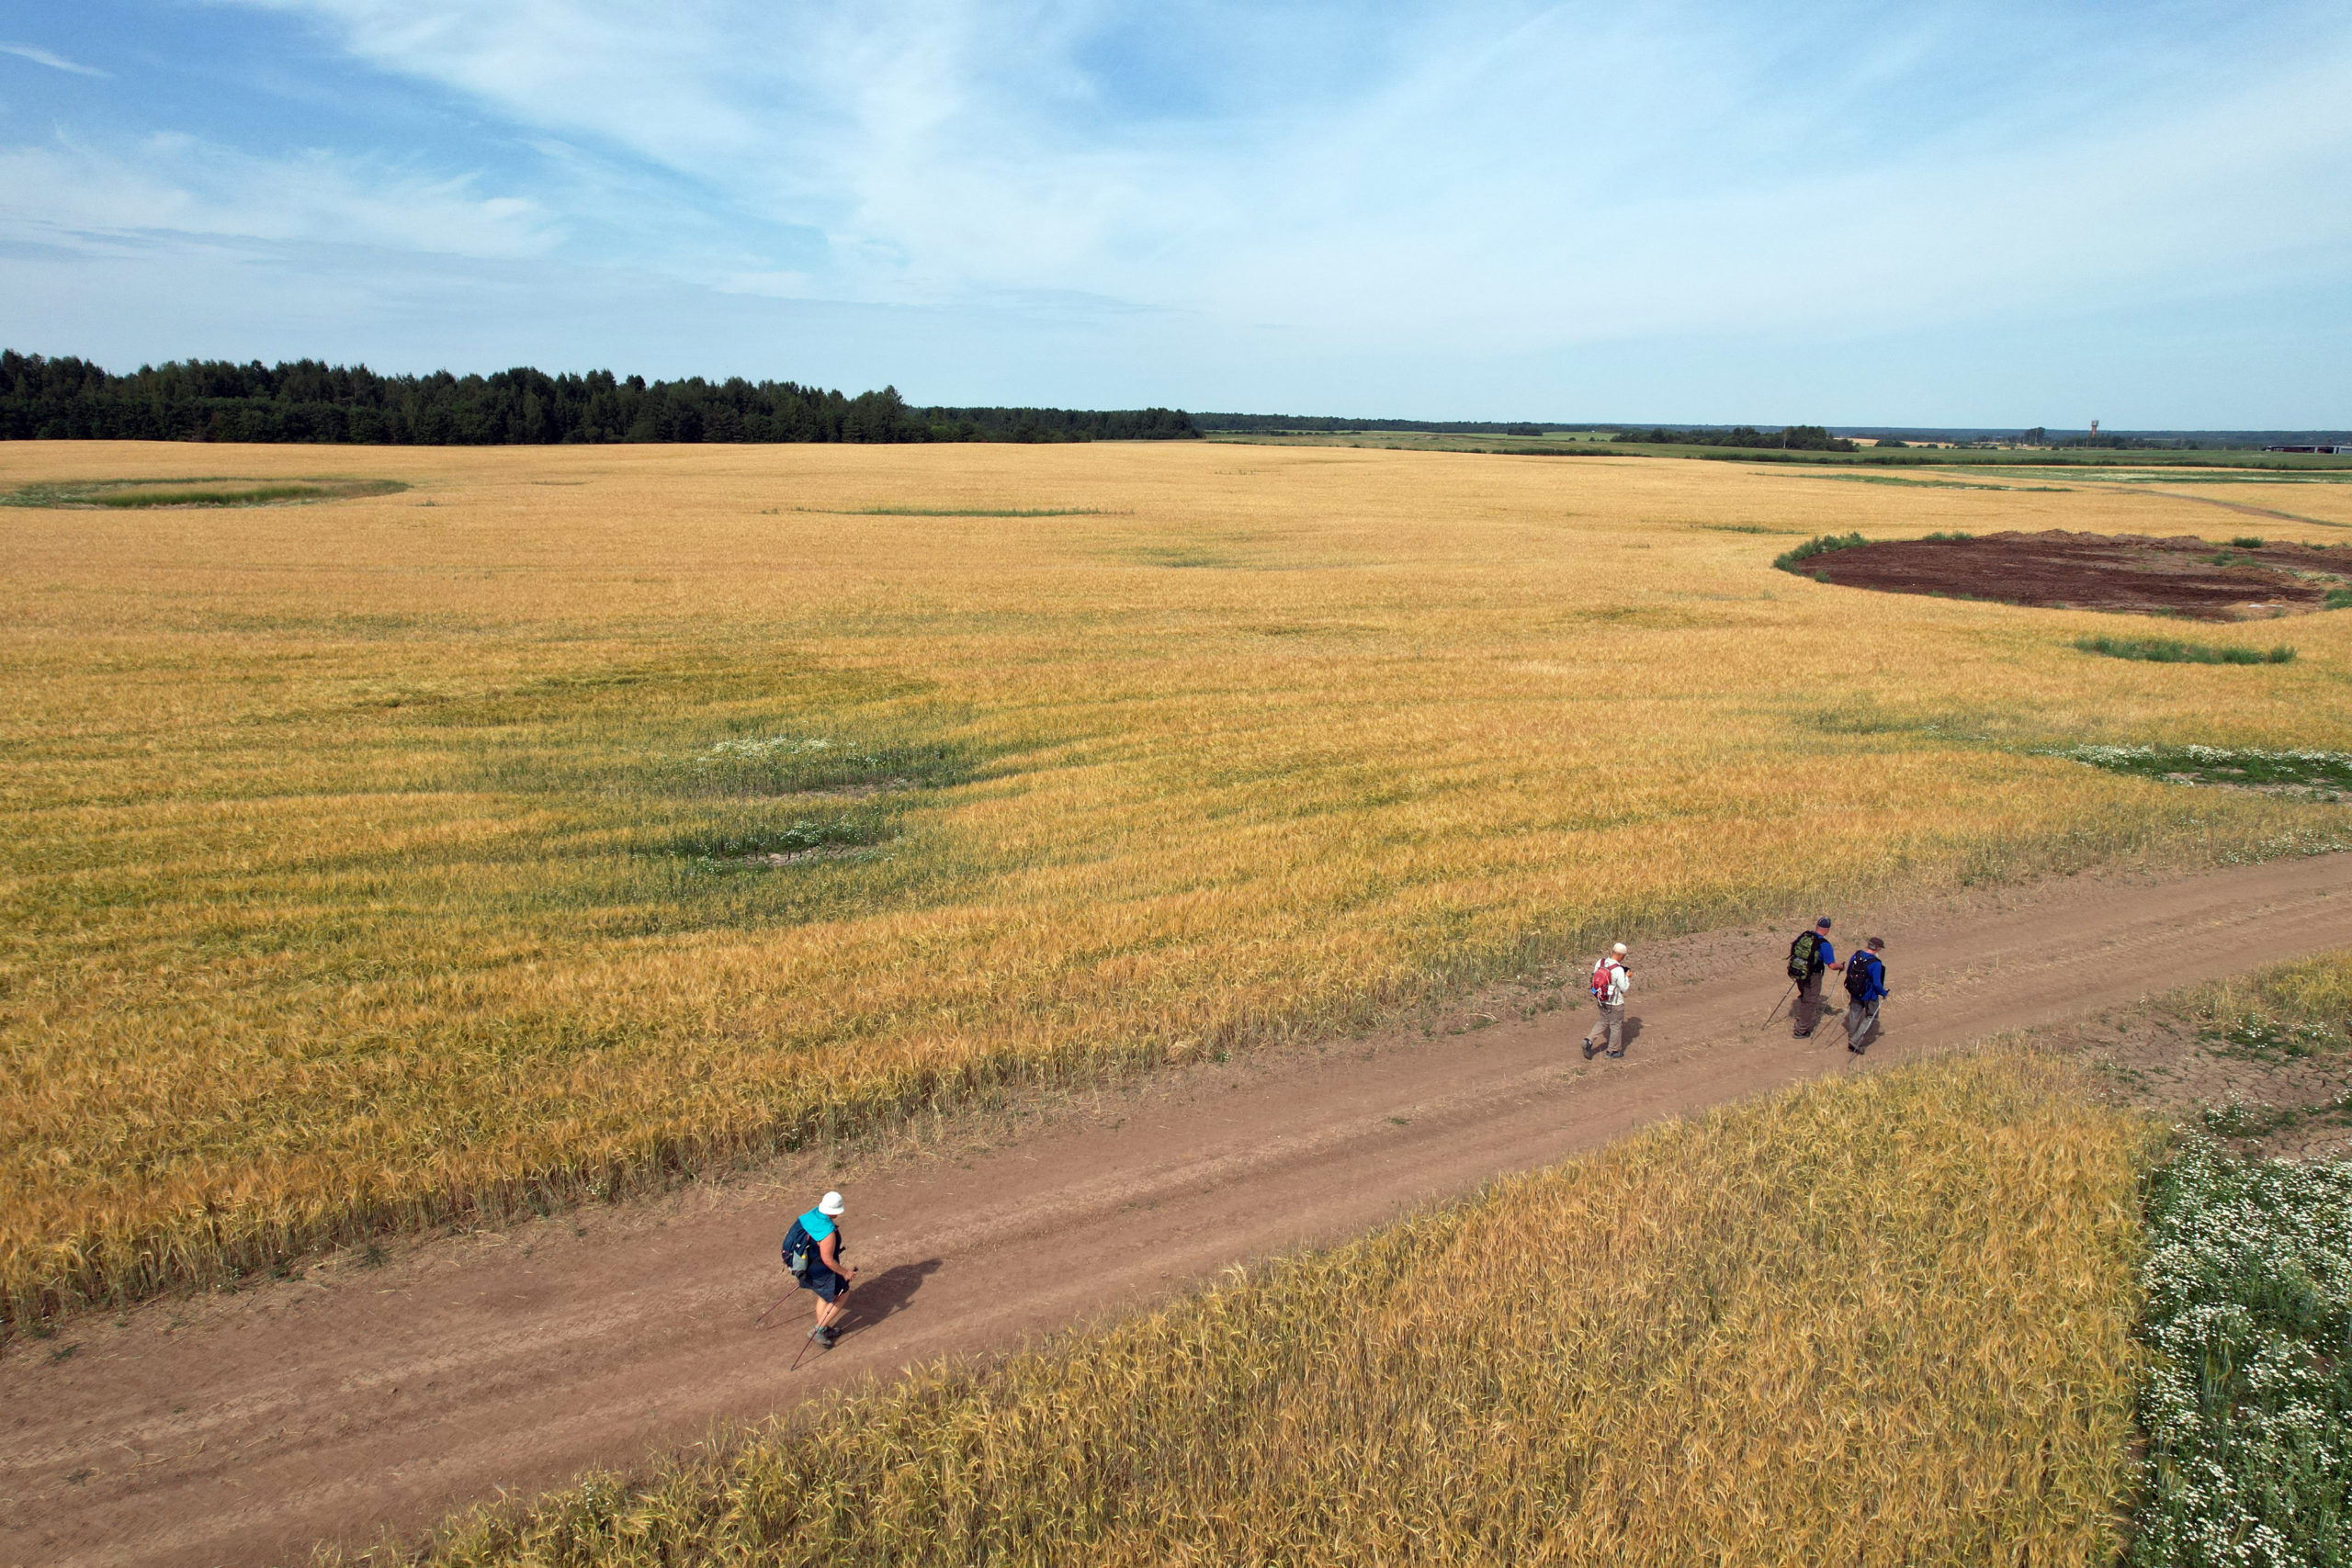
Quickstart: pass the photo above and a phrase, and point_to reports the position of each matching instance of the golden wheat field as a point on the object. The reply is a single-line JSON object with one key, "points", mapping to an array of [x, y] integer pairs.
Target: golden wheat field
{"points": [[575, 816], [1882, 1320]]}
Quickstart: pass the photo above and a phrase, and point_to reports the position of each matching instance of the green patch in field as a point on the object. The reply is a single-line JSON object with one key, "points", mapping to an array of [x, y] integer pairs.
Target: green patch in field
{"points": [[1819, 544], [1184, 558], [1924, 484], [2318, 775], [753, 844], [2171, 650], [131, 494], [756, 765], [962, 511], [2269, 1039]]}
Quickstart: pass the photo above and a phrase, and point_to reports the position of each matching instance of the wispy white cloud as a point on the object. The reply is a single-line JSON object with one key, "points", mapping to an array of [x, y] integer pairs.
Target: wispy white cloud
{"points": [[68, 193], [1521, 172], [54, 62]]}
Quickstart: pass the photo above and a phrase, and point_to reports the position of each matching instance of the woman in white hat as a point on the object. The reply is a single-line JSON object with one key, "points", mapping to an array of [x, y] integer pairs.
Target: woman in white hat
{"points": [[816, 1240]]}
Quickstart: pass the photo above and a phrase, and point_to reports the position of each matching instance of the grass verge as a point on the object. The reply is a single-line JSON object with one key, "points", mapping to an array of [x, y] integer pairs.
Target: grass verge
{"points": [[1762, 1336], [2171, 650]]}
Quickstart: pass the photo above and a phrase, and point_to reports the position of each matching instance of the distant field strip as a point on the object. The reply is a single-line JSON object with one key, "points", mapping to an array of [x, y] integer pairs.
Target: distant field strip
{"points": [[585, 818], [1885, 1320]]}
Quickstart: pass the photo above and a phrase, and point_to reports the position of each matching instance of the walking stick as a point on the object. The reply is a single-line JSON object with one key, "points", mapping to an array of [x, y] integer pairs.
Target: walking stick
{"points": [[1782, 1003], [761, 1321]]}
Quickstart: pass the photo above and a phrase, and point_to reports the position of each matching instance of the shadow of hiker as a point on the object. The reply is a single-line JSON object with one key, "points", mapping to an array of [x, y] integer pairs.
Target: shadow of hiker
{"points": [[886, 1294], [1633, 1028]]}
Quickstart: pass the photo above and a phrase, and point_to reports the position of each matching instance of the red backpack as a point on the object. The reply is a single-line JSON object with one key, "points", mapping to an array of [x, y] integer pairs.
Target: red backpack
{"points": [[1601, 987]]}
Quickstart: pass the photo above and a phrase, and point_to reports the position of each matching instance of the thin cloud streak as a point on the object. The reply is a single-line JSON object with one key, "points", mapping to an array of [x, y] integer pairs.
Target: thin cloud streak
{"points": [[54, 62]]}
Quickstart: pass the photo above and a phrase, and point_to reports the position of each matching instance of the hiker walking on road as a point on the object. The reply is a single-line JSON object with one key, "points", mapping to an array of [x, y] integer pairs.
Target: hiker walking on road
{"points": [[1609, 985], [812, 1254], [1865, 988], [1809, 956]]}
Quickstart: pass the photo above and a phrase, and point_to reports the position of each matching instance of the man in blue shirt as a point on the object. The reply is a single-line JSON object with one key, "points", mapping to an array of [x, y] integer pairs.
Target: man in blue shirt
{"points": [[1812, 954], [1865, 988], [817, 1235]]}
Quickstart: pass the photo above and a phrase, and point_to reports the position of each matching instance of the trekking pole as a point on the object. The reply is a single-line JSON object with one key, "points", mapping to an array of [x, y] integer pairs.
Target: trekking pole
{"points": [[1782, 1003], [761, 1321]]}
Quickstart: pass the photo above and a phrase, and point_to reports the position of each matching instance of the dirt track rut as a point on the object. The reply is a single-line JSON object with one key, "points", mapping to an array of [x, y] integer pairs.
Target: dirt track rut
{"points": [[245, 1427]]}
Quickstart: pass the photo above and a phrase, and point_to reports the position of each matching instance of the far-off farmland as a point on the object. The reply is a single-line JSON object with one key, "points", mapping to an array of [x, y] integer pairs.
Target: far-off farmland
{"points": [[569, 819]]}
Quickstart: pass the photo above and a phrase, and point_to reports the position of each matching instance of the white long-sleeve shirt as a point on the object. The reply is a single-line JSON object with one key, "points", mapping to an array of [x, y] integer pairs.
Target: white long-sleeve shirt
{"points": [[1619, 981]]}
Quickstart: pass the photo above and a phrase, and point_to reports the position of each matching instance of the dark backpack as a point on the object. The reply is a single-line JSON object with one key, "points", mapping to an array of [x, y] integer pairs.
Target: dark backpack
{"points": [[1804, 956], [1860, 971], [799, 1252]]}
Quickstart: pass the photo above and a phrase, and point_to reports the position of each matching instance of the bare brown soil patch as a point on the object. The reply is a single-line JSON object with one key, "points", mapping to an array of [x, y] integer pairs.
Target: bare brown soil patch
{"points": [[2137, 573], [2155, 1059]]}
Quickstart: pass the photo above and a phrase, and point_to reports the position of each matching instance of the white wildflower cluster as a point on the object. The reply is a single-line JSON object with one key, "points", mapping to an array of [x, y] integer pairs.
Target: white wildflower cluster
{"points": [[2262, 1033], [764, 750], [2248, 1394], [2204, 756]]}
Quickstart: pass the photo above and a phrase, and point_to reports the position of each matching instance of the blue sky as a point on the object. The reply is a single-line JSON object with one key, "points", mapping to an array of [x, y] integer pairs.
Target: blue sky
{"points": [[1915, 214]]}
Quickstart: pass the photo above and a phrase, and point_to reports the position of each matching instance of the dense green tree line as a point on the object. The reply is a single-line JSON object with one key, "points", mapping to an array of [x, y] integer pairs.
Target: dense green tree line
{"points": [[1795, 438], [1320, 424], [67, 399]]}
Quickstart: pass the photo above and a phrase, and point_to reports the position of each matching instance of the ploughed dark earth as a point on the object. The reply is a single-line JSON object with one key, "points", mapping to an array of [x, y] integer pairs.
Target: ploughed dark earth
{"points": [[2189, 577]]}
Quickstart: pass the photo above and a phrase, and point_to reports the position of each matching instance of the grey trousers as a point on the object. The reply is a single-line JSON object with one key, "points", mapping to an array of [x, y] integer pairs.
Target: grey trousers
{"points": [[1862, 1023], [1807, 1012], [1609, 1026]]}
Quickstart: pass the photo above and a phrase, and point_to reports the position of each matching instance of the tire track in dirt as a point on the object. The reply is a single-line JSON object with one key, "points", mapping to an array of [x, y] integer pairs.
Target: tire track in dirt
{"points": [[2243, 508], [241, 1428]]}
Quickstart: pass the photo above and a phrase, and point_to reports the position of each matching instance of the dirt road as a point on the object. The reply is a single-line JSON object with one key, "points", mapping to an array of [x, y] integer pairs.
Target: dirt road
{"points": [[243, 1428]]}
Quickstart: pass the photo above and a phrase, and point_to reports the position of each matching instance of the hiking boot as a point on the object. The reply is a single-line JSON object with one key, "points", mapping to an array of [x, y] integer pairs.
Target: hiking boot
{"points": [[823, 1336], [1589, 1049], [1801, 1034], [1615, 1054]]}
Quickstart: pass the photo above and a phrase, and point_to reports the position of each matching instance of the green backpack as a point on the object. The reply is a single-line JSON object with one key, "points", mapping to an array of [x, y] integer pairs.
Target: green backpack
{"points": [[1804, 956]]}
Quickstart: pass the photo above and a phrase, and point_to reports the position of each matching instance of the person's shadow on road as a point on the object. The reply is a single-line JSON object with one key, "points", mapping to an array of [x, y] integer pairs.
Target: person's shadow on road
{"points": [[888, 1293], [1633, 1031]]}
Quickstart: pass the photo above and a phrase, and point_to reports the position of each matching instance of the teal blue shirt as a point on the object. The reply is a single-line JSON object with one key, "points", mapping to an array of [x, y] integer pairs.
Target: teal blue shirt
{"points": [[816, 1225]]}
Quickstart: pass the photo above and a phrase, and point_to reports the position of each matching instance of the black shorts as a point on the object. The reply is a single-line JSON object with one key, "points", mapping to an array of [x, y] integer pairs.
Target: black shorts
{"points": [[827, 1285]]}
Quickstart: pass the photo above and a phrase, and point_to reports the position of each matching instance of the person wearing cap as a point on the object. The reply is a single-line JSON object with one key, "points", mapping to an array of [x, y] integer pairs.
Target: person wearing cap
{"points": [[1866, 988], [826, 1273], [1810, 956], [1609, 982]]}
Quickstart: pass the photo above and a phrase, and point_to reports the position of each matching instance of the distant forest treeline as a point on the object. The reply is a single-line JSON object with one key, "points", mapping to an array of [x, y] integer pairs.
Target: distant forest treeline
{"points": [[68, 398], [1269, 423], [1795, 438]]}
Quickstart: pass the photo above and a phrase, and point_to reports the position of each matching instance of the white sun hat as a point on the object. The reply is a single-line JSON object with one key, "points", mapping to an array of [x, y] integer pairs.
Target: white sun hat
{"points": [[830, 1205], [1619, 948]]}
